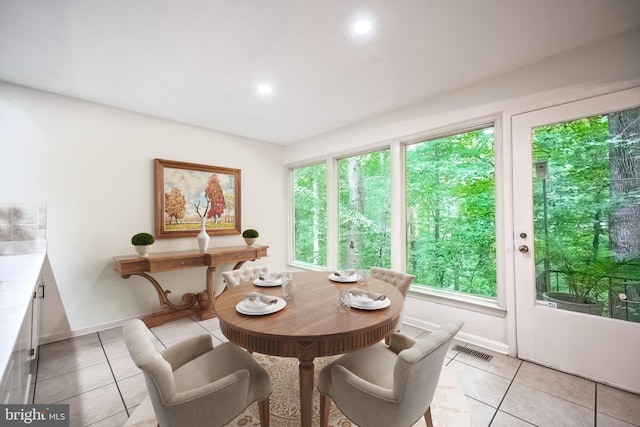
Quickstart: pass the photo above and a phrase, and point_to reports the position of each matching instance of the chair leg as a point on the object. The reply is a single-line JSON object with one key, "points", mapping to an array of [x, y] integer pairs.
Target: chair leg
{"points": [[427, 417], [325, 405], [263, 408]]}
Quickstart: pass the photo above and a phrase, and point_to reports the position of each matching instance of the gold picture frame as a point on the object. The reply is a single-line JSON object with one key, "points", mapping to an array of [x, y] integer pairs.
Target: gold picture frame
{"points": [[184, 192]]}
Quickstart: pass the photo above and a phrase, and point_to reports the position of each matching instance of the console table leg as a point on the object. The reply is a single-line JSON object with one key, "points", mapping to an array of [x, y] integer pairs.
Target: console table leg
{"points": [[206, 298], [169, 310]]}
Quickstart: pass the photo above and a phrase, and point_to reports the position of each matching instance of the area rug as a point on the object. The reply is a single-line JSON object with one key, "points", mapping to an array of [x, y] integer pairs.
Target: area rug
{"points": [[448, 409]]}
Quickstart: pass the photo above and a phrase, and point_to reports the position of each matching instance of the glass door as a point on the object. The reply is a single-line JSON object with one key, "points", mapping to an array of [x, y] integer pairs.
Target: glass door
{"points": [[577, 237]]}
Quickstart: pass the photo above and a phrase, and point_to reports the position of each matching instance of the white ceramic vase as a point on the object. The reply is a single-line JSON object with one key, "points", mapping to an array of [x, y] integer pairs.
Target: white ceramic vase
{"points": [[203, 237], [250, 241]]}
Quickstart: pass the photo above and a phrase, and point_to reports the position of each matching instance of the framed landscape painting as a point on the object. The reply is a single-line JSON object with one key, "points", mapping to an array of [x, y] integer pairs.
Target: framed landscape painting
{"points": [[187, 192]]}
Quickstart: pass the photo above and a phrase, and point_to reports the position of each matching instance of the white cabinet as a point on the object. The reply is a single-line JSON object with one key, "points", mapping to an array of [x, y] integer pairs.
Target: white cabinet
{"points": [[19, 335]]}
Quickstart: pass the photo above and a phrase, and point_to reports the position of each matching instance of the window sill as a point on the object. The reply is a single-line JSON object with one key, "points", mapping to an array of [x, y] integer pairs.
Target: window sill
{"points": [[457, 300]]}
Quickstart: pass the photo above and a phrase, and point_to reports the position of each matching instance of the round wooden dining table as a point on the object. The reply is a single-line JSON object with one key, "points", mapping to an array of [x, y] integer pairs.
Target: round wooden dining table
{"points": [[309, 326]]}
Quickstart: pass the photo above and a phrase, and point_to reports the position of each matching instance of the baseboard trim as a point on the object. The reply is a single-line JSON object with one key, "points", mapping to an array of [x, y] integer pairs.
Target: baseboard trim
{"points": [[476, 340], [60, 336]]}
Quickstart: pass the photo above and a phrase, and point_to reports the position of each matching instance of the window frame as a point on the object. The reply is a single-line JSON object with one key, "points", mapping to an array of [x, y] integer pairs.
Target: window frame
{"points": [[397, 147]]}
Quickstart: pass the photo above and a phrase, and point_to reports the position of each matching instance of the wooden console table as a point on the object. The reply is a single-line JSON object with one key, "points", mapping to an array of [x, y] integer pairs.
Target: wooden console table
{"points": [[200, 304]]}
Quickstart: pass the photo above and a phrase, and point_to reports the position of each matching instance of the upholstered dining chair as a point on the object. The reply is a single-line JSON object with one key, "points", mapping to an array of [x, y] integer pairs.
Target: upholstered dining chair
{"points": [[387, 385], [400, 280], [233, 277], [193, 383]]}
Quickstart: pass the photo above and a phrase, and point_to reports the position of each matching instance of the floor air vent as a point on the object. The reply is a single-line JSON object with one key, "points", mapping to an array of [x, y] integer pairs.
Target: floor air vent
{"points": [[473, 353]]}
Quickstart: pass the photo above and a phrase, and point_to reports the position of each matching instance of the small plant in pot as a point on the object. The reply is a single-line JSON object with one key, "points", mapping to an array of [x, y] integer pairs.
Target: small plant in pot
{"points": [[250, 235], [142, 242]]}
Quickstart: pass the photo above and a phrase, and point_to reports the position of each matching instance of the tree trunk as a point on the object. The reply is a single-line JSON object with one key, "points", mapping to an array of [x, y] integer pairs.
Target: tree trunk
{"points": [[354, 235], [624, 163]]}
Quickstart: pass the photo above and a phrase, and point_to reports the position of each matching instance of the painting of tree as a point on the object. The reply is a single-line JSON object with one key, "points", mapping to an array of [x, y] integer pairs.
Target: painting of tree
{"points": [[187, 192]]}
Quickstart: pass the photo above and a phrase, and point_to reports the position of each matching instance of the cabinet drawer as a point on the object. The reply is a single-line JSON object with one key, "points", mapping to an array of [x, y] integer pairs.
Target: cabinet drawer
{"points": [[176, 263]]}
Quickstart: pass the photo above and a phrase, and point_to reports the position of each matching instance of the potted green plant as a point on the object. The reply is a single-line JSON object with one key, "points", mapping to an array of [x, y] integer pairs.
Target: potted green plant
{"points": [[250, 235], [142, 242], [586, 276]]}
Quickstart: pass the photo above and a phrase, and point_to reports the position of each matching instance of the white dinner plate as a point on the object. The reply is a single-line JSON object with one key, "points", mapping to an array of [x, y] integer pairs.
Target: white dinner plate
{"points": [[342, 279], [258, 308], [268, 283], [376, 305], [363, 300]]}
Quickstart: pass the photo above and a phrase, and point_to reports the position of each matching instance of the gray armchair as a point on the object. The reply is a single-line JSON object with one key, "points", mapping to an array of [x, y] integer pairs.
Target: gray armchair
{"points": [[387, 385], [193, 383], [233, 277]]}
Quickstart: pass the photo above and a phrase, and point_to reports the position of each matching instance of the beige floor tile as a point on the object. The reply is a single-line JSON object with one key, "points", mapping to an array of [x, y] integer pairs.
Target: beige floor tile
{"points": [[480, 413], [70, 345], [483, 386], [178, 332], [61, 387], [544, 409], [607, 421], [123, 367], [499, 364], [115, 420], [55, 363], [619, 404], [133, 389], [210, 324], [115, 349], [95, 405], [502, 419], [109, 335], [568, 387]]}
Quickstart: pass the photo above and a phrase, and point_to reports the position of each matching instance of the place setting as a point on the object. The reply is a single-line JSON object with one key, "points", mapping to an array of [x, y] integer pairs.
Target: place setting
{"points": [[363, 299], [350, 275], [257, 304], [268, 280]]}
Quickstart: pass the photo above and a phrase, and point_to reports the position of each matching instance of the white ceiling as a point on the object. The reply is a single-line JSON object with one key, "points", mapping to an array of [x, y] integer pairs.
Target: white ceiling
{"points": [[199, 61]]}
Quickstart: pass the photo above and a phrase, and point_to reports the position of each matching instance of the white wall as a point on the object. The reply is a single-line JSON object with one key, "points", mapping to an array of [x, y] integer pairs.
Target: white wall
{"points": [[93, 167], [610, 65]]}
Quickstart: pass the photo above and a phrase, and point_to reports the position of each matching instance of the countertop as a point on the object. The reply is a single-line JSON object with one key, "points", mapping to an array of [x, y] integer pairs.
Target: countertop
{"points": [[18, 278]]}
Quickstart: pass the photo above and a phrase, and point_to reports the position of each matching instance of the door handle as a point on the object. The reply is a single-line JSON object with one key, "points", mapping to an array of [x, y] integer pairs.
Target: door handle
{"points": [[524, 249]]}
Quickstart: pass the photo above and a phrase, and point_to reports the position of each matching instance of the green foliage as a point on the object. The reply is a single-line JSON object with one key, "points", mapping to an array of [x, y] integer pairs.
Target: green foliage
{"points": [[573, 233], [310, 214], [250, 233], [364, 210], [142, 239], [451, 204]]}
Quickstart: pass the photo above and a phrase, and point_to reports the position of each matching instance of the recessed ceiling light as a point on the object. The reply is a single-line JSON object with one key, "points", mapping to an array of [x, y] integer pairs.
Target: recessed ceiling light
{"points": [[264, 89], [362, 26]]}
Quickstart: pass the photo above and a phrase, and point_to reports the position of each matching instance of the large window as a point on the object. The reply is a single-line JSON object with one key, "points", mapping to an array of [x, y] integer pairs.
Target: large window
{"points": [[364, 210], [310, 215], [451, 231]]}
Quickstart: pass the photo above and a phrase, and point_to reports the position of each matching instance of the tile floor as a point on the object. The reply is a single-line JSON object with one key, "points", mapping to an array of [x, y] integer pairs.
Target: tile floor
{"points": [[502, 392]]}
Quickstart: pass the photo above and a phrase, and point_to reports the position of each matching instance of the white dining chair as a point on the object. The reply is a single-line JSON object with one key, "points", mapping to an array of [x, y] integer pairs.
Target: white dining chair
{"points": [[382, 386], [400, 280], [233, 277], [192, 383]]}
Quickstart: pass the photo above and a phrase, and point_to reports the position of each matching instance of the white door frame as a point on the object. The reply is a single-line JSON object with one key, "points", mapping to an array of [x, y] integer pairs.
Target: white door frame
{"points": [[586, 345]]}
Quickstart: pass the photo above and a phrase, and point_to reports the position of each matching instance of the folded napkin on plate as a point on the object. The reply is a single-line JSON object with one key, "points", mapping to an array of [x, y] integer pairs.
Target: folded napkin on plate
{"points": [[266, 299], [270, 278], [369, 294], [345, 273]]}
